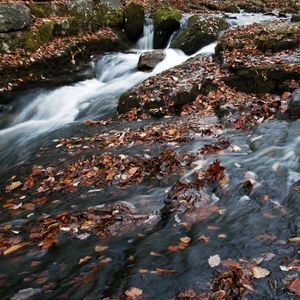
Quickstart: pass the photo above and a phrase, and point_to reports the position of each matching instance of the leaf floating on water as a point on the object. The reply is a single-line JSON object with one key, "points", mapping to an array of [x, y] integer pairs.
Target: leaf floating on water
{"points": [[185, 239], [158, 270], [214, 260], [100, 248], [294, 239], [84, 259], [173, 248], [133, 293], [295, 286], [15, 247], [260, 272], [13, 185]]}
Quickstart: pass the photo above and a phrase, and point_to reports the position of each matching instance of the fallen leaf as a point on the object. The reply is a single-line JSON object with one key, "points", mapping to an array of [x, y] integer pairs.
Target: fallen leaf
{"points": [[185, 239], [132, 171], [260, 272], [133, 293], [295, 286], [214, 260], [13, 185], [100, 248], [294, 239], [84, 259], [15, 247], [165, 271]]}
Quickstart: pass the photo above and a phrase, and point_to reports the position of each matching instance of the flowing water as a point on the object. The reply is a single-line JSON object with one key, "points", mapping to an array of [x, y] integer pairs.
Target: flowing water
{"points": [[269, 154]]}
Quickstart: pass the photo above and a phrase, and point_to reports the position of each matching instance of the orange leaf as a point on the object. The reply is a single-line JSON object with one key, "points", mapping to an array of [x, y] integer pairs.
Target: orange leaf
{"points": [[165, 271]]}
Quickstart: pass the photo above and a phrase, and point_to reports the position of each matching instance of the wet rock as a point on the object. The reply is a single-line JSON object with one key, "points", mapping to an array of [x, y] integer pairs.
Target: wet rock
{"points": [[127, 102], [253, 6], [201, 30], [294, 105], [231, 8], [13, 17], [260, 79], [134, 20], [149, 60], [295, 18], [166, 21]]}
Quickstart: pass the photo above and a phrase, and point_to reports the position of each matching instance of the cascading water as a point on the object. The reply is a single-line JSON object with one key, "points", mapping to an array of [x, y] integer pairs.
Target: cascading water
{"points": [[115, 73]]}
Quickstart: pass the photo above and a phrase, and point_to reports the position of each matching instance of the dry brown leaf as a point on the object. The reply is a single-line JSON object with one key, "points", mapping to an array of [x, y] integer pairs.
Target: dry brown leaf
{"points": [[15, 247], [260, 272], [13, 185], [133, 293]]}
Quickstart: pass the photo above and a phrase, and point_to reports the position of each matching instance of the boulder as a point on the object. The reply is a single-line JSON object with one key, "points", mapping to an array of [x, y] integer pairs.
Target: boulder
{"points": [[166, 21], [108, 13], [134, 20], [201, 30], [13, 16], [127, 102], [253, 6], [46, 9], [80, 7], [294, 105], [231, 8], [149, 60], [295, 18]]}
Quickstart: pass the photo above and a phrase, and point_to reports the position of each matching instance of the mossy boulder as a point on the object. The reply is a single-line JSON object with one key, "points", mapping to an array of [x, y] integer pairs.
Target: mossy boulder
{"points": [[166, 21], [13, 16], [201, 30], [231, 8], [294, 105], [47, 9], [134, 20], [127, 102], [261, 79], [295, 18], [254, 6], [108, 13], [67, 27]]}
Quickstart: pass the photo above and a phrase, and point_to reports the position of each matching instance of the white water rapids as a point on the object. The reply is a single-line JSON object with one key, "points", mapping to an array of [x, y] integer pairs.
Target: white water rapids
{"points": [[45, 110]]}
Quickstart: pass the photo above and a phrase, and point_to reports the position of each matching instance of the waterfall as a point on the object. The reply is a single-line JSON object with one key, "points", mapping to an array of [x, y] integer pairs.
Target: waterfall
{"points": [[146, 42]]}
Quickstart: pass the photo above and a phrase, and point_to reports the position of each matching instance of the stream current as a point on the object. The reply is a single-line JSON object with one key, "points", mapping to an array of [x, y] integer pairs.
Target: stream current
{"points": [[43, 115]]}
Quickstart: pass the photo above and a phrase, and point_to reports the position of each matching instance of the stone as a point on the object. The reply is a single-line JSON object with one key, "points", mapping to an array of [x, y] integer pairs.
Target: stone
{"points": [[134, 20], [294, 105], [295, 18], [253, 6], [127, 102], [47, 9], [13, 16], [201, 31], [231, 8], [149, 60], [108, 13], [166, 21]]}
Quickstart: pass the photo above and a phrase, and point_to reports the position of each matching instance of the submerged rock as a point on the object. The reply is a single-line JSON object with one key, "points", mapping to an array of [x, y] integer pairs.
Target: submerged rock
{"points": [[166, 21], [134, 20], [294, 105], [149, 60], [201, 30], [13, 17]]}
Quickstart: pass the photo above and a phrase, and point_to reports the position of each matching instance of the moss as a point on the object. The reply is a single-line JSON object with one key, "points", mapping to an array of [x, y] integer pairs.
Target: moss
{"points": [[166, 21], [107, 16], [30, 41], [135, 19], [201, 31], [45, 33], [39, 9], [166, 14]]}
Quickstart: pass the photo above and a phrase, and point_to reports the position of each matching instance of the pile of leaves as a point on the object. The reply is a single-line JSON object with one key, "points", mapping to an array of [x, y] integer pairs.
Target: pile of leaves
{"points": [[103, 170], [191, 195]]}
